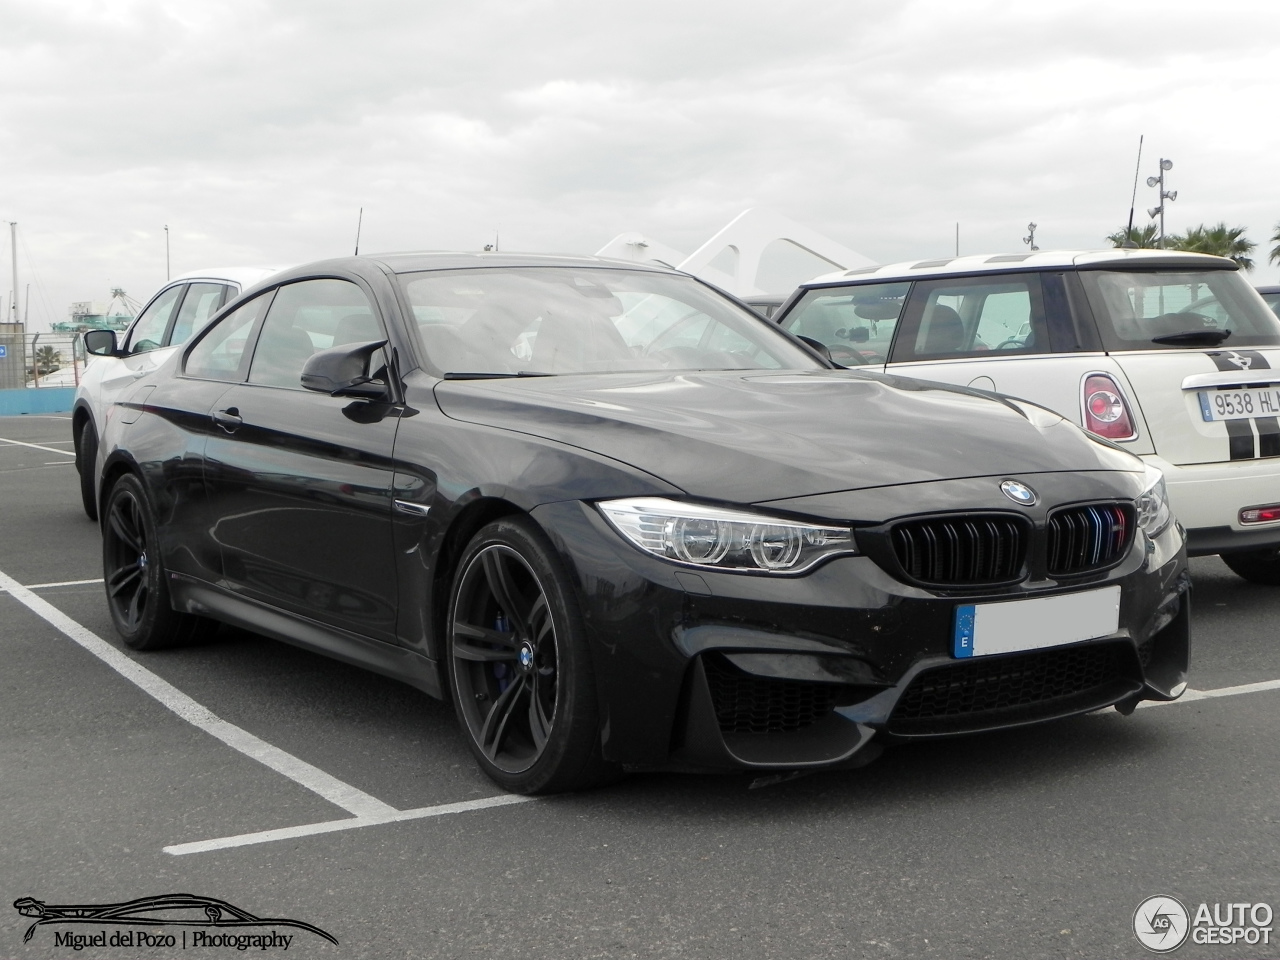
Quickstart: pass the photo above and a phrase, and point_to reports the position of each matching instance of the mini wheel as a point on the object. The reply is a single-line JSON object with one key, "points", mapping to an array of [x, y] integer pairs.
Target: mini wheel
{"points": [[519, 666], [1258, 566], [137, 589]]}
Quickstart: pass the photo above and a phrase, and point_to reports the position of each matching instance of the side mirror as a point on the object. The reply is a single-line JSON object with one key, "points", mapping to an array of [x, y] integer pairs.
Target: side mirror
{"points": [[100, 343], [343, 371], [817, 345]]}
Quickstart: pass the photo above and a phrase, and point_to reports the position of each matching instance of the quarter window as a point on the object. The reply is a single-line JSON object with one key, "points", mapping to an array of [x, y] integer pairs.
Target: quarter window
{"points": [[218, 355], [148, 331]]}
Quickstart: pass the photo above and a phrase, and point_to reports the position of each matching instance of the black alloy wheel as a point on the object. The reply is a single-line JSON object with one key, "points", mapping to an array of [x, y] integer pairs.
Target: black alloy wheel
{"points": [[86, 464], [137, 592], [519, 666], [1257, 566]]}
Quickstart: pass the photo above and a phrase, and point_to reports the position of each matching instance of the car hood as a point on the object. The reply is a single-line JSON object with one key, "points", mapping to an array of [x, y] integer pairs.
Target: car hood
{"points": [[751, 436]]}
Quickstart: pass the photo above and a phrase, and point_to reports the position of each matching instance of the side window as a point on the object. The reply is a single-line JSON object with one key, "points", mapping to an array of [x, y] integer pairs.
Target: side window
{"points": [[219, 354], [148, 330], [305, 317], [972, 317], [199, 306], [856, 323]]}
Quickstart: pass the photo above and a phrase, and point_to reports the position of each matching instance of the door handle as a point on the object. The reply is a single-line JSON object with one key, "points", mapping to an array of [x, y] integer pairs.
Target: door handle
{"points": [[228, 419]]}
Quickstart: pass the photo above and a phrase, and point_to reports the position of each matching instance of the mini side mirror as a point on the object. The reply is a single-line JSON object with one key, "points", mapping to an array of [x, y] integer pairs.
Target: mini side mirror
{"points": [[100, 343], [343, 371]]}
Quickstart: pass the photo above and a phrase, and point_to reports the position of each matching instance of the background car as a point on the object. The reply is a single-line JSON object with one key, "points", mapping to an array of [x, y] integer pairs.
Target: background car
{"points": [[1271, 295], [178, 310], [621, 521], [1172, 356]]}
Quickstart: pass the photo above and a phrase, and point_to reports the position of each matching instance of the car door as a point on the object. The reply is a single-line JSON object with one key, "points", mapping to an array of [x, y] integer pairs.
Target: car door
{"points": [[300, 483], [1014, 333]]}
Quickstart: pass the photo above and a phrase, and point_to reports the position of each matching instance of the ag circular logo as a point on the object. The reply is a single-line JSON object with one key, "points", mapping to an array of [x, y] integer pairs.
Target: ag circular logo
{"points": [[1161, 924], [1018, 492]]}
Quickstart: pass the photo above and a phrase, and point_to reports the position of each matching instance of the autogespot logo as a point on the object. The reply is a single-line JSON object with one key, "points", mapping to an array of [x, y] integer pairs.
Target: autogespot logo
{"points": [[1018, 492], [1161, 924]]}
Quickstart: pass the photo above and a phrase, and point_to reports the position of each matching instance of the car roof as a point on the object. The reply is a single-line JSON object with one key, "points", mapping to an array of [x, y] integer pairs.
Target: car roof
{"points": [[1046, 259], [244, 276], [1268, 288], [412, 262]]}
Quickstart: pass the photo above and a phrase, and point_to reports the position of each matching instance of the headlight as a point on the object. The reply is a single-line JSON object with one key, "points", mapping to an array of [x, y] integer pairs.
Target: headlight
{"points": [[1154, 515], [719, 539]]}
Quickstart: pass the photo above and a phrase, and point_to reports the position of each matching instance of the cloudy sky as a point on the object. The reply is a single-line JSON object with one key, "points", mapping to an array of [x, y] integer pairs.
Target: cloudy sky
{"points": [[256, 129]]}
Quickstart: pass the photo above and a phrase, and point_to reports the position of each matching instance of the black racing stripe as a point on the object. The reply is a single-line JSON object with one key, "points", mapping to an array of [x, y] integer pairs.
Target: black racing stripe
{"points": [[1268, 436], [1240, 432], [1240, 438]]}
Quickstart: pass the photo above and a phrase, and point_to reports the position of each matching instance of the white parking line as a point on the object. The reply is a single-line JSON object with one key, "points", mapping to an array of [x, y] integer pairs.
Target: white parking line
{"points": [[299, 771], [1192, 695], [36, 446], [60, 583], [332, 826]]}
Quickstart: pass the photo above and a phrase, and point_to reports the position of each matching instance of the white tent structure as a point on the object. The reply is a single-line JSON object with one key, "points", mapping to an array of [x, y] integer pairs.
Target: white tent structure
{"points": [[758, 252]]}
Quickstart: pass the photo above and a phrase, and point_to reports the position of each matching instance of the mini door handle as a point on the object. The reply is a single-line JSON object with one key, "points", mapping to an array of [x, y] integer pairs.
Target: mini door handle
{"points": [[228, 419]]}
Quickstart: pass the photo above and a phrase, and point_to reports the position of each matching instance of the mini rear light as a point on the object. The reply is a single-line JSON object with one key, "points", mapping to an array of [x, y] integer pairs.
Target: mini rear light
{"points": [[1105, 412], [1267, 514]]}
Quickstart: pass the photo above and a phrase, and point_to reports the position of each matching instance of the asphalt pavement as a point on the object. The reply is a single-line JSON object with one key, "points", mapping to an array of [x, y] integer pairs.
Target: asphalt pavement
{"points": [[295, 787]]}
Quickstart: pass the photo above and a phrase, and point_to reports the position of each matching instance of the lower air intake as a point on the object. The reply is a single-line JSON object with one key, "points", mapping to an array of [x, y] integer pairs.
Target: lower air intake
{"points": [[747, 704], [997, 691]]}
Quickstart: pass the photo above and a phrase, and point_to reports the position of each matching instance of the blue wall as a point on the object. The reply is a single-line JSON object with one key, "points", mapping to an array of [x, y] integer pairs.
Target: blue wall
{"points": [[43, 400]]}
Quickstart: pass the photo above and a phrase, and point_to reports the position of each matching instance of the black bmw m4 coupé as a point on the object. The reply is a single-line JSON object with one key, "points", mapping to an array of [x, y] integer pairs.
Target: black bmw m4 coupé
{"points": [[623, 522]]}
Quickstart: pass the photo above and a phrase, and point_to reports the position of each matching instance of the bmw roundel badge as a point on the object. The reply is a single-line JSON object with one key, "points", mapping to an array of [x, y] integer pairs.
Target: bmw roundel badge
{"points": [[1018, 492]]}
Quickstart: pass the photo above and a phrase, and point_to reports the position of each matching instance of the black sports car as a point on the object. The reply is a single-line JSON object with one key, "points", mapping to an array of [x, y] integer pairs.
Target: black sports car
{"points": [[625, 523]]}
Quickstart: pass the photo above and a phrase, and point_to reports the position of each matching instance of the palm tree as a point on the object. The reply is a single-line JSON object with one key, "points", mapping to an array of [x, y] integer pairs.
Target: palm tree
{"points": [[1141, 236], [1219, 240], [48, 359], [1275, 251]]}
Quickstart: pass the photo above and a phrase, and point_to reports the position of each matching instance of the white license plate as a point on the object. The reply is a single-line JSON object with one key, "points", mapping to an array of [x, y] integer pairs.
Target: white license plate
{"points": [[1244, 403], [982, 629]]}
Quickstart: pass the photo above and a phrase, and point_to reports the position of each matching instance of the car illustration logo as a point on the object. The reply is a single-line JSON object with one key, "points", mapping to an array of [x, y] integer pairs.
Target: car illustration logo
{"points": [[1018, 492], [1244, 363]]}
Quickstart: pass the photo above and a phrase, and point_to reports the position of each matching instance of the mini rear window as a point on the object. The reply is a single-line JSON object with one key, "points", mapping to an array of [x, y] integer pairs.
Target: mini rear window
{"points": [[1178, 309]]}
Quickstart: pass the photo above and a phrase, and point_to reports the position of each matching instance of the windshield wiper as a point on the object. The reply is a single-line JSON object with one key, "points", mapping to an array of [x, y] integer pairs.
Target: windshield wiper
{"points": [[495, 376], [1195, 338]]}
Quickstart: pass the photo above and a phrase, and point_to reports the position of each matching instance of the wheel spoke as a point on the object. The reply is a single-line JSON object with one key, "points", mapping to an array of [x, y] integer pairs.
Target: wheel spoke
{"points": [[128, 534], [539, 723], [123, 577], [468, 651], [504, 591], [136, 604], [494, 731]]}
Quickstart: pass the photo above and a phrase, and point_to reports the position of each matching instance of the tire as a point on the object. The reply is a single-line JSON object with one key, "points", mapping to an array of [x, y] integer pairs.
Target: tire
{"points": [[86, 466], [137, 587], [1259, 566], [519, 666]]}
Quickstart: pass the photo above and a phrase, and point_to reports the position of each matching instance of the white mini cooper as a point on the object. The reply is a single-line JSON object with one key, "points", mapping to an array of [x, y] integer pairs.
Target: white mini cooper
{"points": [[1173, 356]]}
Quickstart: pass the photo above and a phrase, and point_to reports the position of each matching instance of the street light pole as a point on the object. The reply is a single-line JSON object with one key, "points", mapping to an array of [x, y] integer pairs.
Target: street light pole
{"points": [[13, 247], [1164, 195], [1030, 238]]}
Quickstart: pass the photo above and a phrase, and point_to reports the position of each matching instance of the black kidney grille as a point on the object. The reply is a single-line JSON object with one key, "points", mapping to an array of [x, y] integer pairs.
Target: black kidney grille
{"points": [[961, 550], [983, 685], [747, 704], [1089, 537]]}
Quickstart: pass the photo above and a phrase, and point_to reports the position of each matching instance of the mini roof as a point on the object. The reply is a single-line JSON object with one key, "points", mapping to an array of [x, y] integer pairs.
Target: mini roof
{"points": [[1004, 262]]}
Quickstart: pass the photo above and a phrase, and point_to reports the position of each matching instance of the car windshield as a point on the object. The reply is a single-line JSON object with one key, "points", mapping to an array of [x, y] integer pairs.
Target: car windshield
{"points": [[529, 321], [1179, 308], [856, 322]]}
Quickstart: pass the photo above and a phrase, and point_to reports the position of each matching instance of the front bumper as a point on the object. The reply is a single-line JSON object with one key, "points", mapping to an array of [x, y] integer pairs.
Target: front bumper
{"points": [[1207, 499], [702, 671]]}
